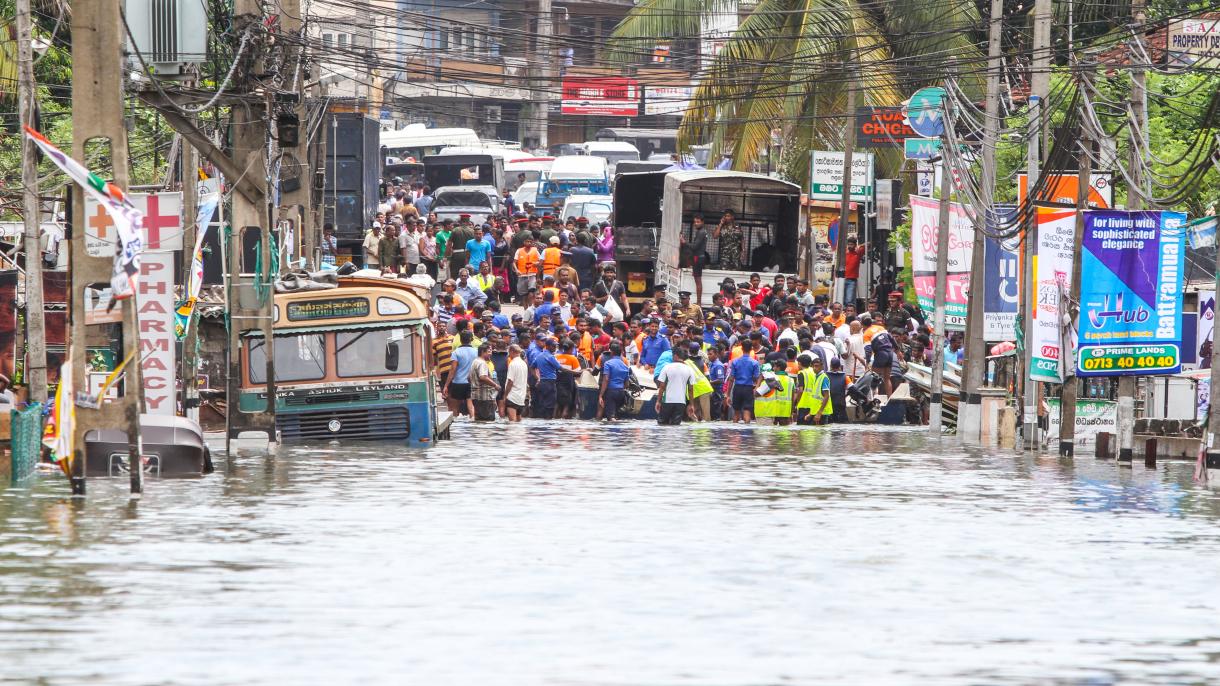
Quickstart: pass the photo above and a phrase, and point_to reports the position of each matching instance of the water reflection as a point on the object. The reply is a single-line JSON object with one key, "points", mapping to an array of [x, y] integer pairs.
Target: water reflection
{"points": [[629, 554]]}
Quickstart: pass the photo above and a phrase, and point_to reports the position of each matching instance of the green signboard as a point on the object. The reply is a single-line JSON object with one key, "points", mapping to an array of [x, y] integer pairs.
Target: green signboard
{"points": [[1110, 360], [331, 308]]}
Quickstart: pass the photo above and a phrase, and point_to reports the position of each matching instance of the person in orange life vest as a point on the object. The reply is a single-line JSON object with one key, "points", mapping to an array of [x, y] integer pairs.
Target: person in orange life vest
{"points": [[552, 257]]}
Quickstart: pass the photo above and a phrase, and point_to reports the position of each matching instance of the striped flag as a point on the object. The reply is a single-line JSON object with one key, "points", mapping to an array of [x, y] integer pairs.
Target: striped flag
{"points": [[1202, 232], [59, 431], [186, 309], [127, 219]]}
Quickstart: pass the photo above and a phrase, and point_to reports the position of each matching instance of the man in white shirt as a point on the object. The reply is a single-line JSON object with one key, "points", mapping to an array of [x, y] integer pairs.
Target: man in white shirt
{"points": [[421, 277], [854, 362], [673, 384], [515, 384], [372, 239], [788, 337]]}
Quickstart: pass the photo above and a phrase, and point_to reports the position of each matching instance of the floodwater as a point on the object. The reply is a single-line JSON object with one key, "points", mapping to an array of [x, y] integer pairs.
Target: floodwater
{"points": [[576, 553]]}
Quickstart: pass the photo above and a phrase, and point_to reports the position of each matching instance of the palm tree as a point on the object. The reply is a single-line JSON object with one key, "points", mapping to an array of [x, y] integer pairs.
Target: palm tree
{"points": [[790, 63]]}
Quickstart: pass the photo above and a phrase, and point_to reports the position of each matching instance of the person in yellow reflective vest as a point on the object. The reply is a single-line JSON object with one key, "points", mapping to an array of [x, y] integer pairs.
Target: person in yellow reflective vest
{"points": [[773, 404], [701, 394], [813, 405]]}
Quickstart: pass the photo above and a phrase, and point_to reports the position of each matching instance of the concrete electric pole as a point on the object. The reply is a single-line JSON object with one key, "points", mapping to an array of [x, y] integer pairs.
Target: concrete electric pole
{"points": [[936, 407], [1040, 84], [97, 113], [1067, 356], [1139, 116], [849, 145], [35, 325], [969, 408]]}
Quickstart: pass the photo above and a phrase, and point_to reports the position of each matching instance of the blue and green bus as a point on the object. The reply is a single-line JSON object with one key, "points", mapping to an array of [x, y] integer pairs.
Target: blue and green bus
{"points": [[351, 363]]}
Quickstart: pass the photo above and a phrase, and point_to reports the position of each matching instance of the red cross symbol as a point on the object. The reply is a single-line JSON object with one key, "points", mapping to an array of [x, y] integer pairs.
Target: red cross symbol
{"points": [[154, 221], [101, 221]]}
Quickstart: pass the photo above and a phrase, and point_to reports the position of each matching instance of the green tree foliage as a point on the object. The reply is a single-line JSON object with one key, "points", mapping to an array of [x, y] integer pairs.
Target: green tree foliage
{"points": [[790, 63]]}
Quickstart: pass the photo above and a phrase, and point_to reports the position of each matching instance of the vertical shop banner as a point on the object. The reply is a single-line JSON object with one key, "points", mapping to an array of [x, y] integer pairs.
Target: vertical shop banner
{"points": [[925, 226], [1206, 328], [1053, 252], [8, 324], [1001, 277], [155, 298], [1131, 293], [1003, 292]]}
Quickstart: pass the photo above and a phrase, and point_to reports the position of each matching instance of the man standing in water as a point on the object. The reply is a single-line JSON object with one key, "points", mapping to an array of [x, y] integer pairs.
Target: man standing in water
{"points": [[515, 384], [743, 377], [673, 385], [483, 380], [457, 389]]}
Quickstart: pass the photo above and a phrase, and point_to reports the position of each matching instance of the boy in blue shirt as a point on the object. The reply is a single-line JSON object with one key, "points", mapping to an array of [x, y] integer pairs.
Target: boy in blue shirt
{"points": [[743, 375], [614, 375], [716, 375]]}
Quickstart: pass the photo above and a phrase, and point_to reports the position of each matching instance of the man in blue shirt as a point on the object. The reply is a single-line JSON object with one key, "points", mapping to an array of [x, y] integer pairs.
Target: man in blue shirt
{"points": [[547, 369], [457, 387], [469, 291], [743, 377], [614, 382], [479, 249], [716, 375], [546, 309], [653, 345]]}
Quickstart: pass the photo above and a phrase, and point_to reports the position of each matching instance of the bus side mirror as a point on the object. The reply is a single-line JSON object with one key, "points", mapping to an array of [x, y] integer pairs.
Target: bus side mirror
{"points": [[391, 356]]}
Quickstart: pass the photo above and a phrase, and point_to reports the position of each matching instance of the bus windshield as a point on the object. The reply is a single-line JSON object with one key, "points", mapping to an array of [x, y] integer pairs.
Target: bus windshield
{"points": [[298, 357], [374, 352]]}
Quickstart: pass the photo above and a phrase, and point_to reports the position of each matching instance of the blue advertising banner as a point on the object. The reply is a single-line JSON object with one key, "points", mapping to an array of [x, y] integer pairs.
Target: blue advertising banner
{"points": [[1131, 293], [1001, 280]]}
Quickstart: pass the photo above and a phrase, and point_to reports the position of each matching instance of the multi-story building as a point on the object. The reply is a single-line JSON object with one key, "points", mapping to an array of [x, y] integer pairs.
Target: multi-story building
{"points": [[490, 66]]}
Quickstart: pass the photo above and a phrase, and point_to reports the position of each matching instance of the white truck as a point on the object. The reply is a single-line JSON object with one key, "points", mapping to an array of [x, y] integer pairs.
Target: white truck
{"points": [[767, 210]]}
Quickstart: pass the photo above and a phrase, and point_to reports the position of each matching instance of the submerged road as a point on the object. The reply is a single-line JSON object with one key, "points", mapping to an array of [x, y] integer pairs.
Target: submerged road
{"points": [[575, 553]]}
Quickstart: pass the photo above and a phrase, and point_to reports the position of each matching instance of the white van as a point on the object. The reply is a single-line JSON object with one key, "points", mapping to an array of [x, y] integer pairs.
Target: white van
{"points": [[612, 152], [416, 141]]}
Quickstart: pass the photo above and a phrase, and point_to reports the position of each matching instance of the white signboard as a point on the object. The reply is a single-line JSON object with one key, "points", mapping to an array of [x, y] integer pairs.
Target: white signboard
{"points": [[1192, 41], [717, 23], [162, 223], [826, 176], [924, 177], [1092, 417], [671, 100], [155, 301]]}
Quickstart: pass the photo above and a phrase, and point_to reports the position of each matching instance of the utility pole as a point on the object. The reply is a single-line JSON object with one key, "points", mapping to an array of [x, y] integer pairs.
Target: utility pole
{"points": [[97, 113], [188, 371], [296, 203], [544, 40], [1040, 83], [1067, 355], [35, 325], [250, 291], [1139, 117], [936, 408], [970, 419], [849, 146]]}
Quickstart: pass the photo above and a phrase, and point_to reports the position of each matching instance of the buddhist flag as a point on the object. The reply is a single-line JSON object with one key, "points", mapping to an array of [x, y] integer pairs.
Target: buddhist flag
{"points": [[127, 219], [186, 309], [62, 424]]}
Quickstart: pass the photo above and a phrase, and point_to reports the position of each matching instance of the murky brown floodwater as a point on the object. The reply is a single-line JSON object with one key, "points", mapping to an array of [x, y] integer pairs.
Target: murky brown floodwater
{"points": [[582, 554]]}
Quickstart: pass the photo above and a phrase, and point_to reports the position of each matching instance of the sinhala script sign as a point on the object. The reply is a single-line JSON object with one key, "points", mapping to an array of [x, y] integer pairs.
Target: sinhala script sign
{"points": [[826, 176]]}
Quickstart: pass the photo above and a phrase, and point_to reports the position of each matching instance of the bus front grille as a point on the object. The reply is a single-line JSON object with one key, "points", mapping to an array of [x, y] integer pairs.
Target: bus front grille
{"points": [[379, 423]]}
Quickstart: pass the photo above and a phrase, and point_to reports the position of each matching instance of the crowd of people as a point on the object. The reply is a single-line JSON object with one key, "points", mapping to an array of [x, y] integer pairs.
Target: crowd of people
{"points": [[529, 309]]}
